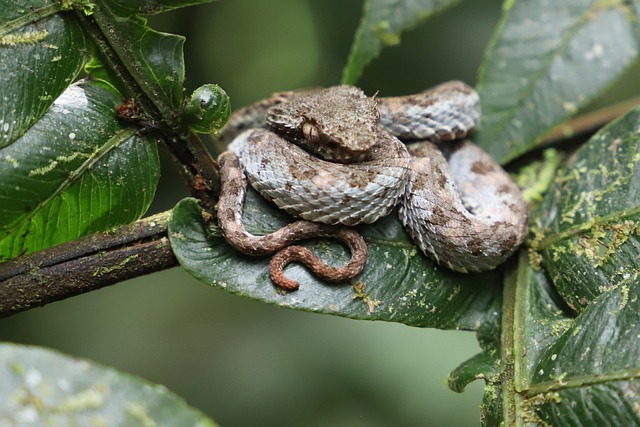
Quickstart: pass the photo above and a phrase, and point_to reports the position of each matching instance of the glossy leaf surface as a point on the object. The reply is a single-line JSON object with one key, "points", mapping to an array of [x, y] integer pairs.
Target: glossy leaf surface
{"points": [[78, 170], [42, 53], [545, 62], [398, 284], [154, 59]]}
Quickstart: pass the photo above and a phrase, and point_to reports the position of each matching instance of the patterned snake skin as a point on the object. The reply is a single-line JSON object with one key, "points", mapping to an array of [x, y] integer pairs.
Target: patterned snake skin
{"points": [[347, 166]]}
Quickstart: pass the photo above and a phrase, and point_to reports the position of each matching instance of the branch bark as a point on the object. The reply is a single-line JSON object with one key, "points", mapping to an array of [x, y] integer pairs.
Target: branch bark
{"points": [[85, 265]]}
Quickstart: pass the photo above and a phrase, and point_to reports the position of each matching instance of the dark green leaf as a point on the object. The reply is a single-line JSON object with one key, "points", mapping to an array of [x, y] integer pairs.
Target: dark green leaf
{"points": [[491, 410], [78, 170], [45, 388], [561, 370], [544, 63], [381, 24], [486, 365], [42, 53], [588, 227], [398, 284], [154, 59], [591, 374], [152, 7]]}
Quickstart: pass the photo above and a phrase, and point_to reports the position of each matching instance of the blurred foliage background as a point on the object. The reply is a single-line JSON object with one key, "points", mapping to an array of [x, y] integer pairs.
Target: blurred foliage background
{"points": [[245, 363]]}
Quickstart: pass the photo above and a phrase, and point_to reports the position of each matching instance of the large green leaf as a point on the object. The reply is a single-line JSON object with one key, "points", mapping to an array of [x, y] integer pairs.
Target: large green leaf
{"points": [[42, 52], [550, 367], [381, 24], [588, 224], [546, 61], [78, 170], [592, 372], [582, 371], [45, 388], [398, 284], [154, 59]]}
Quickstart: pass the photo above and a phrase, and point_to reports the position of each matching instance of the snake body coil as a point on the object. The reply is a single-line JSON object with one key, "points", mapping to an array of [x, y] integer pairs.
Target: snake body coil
{"points": [[460, 207]]}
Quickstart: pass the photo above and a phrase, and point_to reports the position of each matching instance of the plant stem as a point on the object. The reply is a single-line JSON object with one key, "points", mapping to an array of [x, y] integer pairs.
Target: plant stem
{"points": [[85, 265], [194, 162]]}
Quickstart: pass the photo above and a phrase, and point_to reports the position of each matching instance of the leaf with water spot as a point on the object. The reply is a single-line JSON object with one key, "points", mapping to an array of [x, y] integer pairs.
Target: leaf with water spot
{"points": [[78, 170], [42, 387], [42, 53], [547, 61]]}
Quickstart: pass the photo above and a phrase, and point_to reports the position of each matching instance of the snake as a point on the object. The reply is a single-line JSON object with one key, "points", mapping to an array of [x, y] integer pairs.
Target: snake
{"points": [[336, 158]]}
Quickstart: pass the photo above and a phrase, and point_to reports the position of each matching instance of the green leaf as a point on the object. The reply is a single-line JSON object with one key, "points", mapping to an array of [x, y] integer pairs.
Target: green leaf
{"points": [[78, 170], [588, 227], [592, 372], [482, 365], [486, 365], [556, 369], [381, 24], [154, 59], [42, 53], [153, 7], [545, 62], [398, 284], [43, 387], [583, 371]]}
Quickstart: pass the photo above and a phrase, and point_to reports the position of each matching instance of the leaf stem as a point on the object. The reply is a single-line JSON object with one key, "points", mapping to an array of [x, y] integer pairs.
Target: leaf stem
{"points": [[509, 341], [85, 265]]}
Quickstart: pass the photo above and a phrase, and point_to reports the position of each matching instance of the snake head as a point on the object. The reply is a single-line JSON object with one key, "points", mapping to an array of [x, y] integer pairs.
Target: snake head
{"points": [[339, 123]]}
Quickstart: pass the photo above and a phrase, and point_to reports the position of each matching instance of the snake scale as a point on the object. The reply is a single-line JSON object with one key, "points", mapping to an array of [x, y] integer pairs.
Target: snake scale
{"points": [[334, 158]]}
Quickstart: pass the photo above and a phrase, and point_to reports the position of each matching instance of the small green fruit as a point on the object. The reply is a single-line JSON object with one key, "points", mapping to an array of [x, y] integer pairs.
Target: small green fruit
{"points": [[207, 109]]}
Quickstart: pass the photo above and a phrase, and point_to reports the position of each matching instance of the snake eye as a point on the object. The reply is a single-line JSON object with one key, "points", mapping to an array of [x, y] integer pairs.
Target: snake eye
{"points": [[310, 132]]}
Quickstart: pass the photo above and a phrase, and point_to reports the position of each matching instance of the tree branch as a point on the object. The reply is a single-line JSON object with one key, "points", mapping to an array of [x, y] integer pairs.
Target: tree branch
{"points": [[85, 265]]}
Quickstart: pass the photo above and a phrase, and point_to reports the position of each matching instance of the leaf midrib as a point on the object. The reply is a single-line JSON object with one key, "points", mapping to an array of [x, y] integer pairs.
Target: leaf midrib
{"points": [[579, 381], [29, 18], [74, 175], [573, 231]]}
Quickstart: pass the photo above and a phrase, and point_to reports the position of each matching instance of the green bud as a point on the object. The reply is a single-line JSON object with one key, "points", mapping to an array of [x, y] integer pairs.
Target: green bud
{"points": [[207, 109]]}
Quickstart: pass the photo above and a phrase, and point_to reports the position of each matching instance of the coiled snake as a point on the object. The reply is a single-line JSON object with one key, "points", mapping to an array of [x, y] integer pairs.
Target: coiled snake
{"points": [[333, 158]]}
